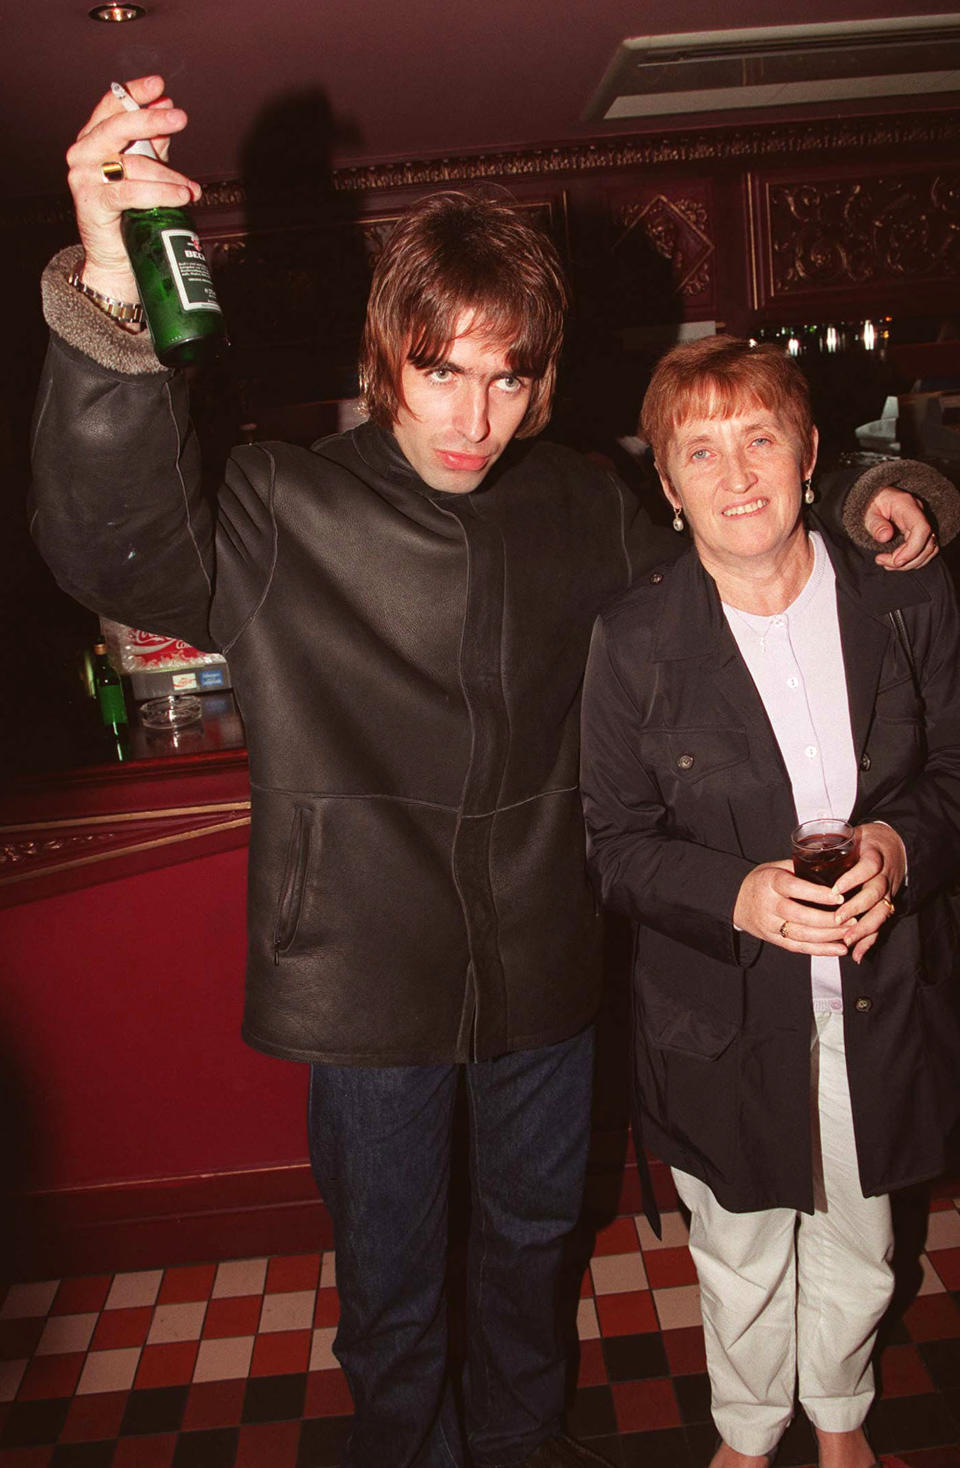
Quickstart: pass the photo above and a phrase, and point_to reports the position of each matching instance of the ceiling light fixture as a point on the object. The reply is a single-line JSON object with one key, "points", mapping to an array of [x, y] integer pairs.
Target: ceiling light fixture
{"points": [[117, 13]]}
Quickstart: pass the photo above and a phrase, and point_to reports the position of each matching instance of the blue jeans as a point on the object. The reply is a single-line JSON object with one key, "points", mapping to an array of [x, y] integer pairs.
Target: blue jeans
{"points": [[380, 1144]]}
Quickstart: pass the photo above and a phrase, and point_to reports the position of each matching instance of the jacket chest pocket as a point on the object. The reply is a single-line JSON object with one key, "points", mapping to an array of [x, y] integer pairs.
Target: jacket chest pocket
{"points": [[695, 765], [295, 868]]}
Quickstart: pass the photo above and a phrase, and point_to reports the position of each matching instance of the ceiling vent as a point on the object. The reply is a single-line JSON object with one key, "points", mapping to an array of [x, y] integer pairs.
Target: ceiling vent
{"points": [[775, 66]]}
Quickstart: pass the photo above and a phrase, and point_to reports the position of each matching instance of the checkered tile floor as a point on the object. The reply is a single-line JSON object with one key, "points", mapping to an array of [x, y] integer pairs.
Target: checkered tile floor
{"points": [[230, 1365]]}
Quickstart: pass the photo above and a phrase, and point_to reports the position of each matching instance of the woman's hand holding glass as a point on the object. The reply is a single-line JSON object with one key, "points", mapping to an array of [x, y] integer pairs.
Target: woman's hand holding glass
{"points": [[775, 905]]}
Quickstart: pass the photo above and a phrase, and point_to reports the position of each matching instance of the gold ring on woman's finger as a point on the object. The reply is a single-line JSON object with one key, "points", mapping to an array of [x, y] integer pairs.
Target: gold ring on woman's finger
{"points": [[113, 170], [888, 904], [783, 928]]}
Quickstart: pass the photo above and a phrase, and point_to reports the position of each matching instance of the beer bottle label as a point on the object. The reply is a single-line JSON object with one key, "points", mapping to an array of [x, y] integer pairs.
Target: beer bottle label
{"points": [[190, 271]]}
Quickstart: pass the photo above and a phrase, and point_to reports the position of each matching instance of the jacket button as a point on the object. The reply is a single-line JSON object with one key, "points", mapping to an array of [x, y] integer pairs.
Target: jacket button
{"points": [[655, 578], [863, 1004], [865, 762], [685, 762]]}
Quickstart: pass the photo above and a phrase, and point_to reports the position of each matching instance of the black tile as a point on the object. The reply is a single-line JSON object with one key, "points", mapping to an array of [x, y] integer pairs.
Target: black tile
{"points": [[701, 1442], [693, 1397], [322, 1442], [30, 1423], [942, 1359], [665, 1448], [592, 1413], [214, 1449], [83, 1455], [157, 1409], [798, 1444], [274, 1398], [898, 1424], [609, 1448], [634, 1357]]}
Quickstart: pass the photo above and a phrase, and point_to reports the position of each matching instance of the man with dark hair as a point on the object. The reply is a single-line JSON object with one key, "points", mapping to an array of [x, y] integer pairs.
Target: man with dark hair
{"points": [[407, 653]]}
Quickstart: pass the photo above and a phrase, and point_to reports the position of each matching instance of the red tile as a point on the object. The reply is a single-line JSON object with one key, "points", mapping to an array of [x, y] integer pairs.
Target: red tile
{"points": [[666, 1267], [685, 1350], [169, 1364], [190, 1282], [145, 1452], [932, 1318], [95, 1418], [630, 1199], [81, 1296], [239, 1315], [664, 1190], [51, 1376], [943, 1192], [642, 1406], [593, 1368], [327, 1310], [327, 1395], [25, 1457], [214, 1404], [293, 1272], [619, 1237], [276, 1443], [628, 1313], [586, 1285], [281, 1351], [119, 1328], [947, 1264], [18, 1338], [902, 1372]]}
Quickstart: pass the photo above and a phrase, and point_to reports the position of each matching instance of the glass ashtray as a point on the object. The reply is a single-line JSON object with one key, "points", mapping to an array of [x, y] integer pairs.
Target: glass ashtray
{"points": [[174, 711]]}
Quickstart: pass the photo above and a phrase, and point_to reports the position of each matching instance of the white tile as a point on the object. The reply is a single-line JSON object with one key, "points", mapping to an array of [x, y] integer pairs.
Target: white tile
{"points": [[131, 1290], [321, 1351], [614, 1273], [240, 1277], [27, 1301], [224, 1360], [930, 1283], [678, 1306], [588, 1326], [675, 1232], [108, 1371], [943, 1229], [288, 1310], [65, 1333], [182, 1322], [328, 1271], [11, 1375]]}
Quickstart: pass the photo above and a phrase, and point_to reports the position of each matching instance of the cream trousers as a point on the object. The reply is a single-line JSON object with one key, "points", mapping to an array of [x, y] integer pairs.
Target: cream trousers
{"points": [[789, 1296]]}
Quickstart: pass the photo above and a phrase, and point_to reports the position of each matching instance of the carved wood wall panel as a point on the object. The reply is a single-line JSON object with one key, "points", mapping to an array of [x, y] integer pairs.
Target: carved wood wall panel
{"points": [[675, 221], [875, 235]]}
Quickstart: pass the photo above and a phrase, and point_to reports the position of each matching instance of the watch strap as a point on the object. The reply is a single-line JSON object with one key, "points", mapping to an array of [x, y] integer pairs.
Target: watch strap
{"points": [[127, 311]]}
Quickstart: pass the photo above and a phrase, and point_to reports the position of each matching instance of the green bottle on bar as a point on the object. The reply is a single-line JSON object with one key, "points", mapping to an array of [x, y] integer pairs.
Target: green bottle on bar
{"points": [[106, 680], [173, 278]]}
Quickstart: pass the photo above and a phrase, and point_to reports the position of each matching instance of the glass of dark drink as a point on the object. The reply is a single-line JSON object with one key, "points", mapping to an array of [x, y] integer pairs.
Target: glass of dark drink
{"points": [[822, 849]]}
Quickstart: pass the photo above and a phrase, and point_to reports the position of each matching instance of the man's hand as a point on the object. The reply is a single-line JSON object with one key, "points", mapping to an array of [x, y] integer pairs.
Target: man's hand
{"points": [[146, 184], [892, 510]]}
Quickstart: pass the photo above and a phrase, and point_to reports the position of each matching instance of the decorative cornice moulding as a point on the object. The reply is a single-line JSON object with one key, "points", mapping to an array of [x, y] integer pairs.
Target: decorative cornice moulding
{"points": [[708, 145]]}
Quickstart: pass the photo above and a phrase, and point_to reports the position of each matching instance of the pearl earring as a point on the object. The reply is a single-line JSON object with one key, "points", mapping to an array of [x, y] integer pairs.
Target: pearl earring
{"points": [[808, 494], [677, 520]]}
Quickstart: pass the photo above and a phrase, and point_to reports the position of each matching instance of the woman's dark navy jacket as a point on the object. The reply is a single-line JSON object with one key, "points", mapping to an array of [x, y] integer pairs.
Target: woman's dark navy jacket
{"points": [[685, 791]]}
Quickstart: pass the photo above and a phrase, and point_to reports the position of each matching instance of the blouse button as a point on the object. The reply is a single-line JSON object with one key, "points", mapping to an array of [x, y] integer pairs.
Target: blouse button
{"points": [[685, 762]]}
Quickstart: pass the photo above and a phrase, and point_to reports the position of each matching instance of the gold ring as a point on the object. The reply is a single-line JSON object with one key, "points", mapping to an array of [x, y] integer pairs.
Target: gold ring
{"points": [[783, 928], [888, 904], [112, 171]]}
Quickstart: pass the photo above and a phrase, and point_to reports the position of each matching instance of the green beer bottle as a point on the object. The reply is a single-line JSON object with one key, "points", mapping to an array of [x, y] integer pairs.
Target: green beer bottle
{"points": [[107, 682], [173, 277]]}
